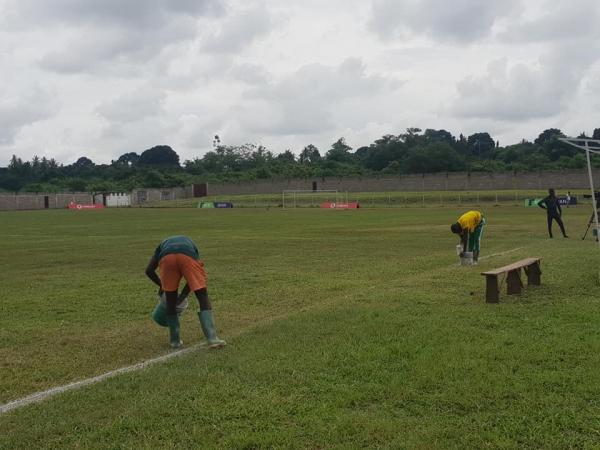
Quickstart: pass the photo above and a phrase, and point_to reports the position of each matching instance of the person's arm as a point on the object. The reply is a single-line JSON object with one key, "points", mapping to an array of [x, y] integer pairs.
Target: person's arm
{"points": [[559, 208], [151, 272], [541, 203], [464, 239]]}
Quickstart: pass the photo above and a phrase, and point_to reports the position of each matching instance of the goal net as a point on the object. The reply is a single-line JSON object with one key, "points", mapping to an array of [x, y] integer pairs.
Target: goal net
{"points": [[310, 199]]}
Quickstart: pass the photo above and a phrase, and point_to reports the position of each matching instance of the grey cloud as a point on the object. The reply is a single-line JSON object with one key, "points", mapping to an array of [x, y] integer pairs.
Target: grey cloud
{"points": [[306, 101], [138, 13], [561, 21], [18, 111], [520, 91], [88, 33], [457, 20], [239, 30], [109, 48], [250, 73], [134, 106]]}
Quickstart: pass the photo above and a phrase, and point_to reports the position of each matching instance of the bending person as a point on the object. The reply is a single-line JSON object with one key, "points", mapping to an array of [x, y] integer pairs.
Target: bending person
{"points": [[178, 257], [469, 227]]}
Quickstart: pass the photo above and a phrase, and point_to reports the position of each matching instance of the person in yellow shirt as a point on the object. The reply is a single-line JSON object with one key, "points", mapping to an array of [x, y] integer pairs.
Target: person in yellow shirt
{"points": [[469, 227]]}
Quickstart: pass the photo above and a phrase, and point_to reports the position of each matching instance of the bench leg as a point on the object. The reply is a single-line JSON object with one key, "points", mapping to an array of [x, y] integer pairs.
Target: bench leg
{"points": [[534, 274], [491, 289], [513, 282]]}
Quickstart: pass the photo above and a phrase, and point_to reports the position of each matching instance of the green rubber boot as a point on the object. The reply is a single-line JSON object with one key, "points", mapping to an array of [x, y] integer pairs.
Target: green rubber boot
{"points": [[208, 328], [173, 323]]}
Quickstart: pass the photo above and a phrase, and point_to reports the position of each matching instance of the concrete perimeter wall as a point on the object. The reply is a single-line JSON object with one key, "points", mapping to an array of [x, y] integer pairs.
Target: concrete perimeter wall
{"points": [[453, 181], [11, 202], [141, 196]]}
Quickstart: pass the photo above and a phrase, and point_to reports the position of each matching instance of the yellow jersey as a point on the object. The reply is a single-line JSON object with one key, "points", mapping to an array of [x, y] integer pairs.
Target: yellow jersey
{"points": [[469, 220]]}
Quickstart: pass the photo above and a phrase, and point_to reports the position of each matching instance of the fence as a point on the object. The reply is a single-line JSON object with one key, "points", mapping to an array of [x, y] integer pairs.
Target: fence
{"points": [[377, 199], [10, 202]]}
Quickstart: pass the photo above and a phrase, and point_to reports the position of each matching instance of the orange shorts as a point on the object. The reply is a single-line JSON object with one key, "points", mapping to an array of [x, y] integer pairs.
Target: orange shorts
{"points": [[175, 266]]}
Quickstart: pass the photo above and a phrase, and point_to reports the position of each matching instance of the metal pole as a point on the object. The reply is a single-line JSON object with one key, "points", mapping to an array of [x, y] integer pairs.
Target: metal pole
{"points": [[589, 164]]}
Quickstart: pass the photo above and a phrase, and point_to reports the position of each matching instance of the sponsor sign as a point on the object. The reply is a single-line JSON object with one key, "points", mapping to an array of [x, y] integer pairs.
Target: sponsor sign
{"points": [[73, 205], [333, 205]]}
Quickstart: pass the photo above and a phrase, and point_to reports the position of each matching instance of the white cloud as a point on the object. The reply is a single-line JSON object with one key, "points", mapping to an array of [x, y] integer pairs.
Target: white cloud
{"points": [[239, 30], [134, 106], [308, 100], [101, 78], [522, 91], [559, 22], [88, 35], [20, 109]]}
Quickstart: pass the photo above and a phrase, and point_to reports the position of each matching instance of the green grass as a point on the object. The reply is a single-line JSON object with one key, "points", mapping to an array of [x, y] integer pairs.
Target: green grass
{"points": [[346, 329]]}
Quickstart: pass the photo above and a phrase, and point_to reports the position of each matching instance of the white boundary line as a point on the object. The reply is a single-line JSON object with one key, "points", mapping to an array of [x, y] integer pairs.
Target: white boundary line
{"points": [[502, 253], [42, 395]]}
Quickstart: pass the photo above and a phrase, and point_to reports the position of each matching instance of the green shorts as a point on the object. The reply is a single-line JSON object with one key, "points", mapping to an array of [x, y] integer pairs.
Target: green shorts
{"points": [[474, 241]]}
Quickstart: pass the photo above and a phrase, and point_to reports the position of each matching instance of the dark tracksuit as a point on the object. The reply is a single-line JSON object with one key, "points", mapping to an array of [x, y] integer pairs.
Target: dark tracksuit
{"points": [[553, 212]]}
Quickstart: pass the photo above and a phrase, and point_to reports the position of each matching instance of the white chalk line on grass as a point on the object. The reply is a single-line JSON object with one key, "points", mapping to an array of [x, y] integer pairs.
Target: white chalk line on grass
{"points": [[42, 395], [492, 255], [502, 253]]}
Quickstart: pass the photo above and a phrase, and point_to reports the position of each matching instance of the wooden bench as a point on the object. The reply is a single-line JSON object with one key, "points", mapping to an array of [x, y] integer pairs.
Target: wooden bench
{"points": [[513, 278]]}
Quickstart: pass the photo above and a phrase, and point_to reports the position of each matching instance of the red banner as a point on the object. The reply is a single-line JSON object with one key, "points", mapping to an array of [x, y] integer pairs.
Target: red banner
{"points": [[74, 205], [333, 205]]}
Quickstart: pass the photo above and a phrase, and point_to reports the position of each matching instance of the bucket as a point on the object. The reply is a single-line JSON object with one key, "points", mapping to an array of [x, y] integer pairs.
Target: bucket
{"points": [[466, 259], [159, 315]]}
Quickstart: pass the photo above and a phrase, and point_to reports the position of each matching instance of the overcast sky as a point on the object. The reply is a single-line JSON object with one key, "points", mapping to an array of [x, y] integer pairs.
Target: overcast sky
{"points": [[100, 78]]}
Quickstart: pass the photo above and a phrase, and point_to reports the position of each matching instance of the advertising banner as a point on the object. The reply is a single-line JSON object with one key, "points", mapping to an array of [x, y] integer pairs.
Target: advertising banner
{"points": [[333, 205], [73, 205]]}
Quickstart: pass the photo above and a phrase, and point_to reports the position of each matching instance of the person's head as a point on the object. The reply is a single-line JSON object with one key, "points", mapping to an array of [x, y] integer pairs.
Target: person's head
{"points": [[456, 228], [551, 192]]}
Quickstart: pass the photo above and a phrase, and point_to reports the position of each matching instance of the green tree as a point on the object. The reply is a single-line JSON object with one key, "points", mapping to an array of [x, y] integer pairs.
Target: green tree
{"points": [[548, 136], [339, 152], [480, 145], [127, 159], [435, 157], [309, 155], [159, 156]]}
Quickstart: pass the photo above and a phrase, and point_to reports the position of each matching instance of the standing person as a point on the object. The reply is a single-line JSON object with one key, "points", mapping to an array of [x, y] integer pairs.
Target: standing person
{"points": [[469, 227], [553, 211], [178, 257], [568, 198]]}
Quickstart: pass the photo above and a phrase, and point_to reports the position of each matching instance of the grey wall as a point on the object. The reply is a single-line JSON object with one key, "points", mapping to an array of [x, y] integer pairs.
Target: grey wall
{"points": [[141, 196], [560, 180], [36, 201]]}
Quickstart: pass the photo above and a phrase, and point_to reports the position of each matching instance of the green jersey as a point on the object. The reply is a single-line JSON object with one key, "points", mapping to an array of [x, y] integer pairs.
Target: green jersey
{"points": [[177, 244]]}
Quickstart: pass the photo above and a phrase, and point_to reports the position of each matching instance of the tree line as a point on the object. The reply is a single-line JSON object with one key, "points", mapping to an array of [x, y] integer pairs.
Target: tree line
{"points": [[414, 151]]}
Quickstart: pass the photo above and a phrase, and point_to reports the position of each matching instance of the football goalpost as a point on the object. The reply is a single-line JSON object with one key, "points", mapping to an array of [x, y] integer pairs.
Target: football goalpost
{"points": [[589, 146], [293, 198]]}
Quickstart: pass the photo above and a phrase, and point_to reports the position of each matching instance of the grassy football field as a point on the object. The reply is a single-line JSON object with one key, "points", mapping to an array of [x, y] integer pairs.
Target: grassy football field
{"points": [[345, 329]]}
